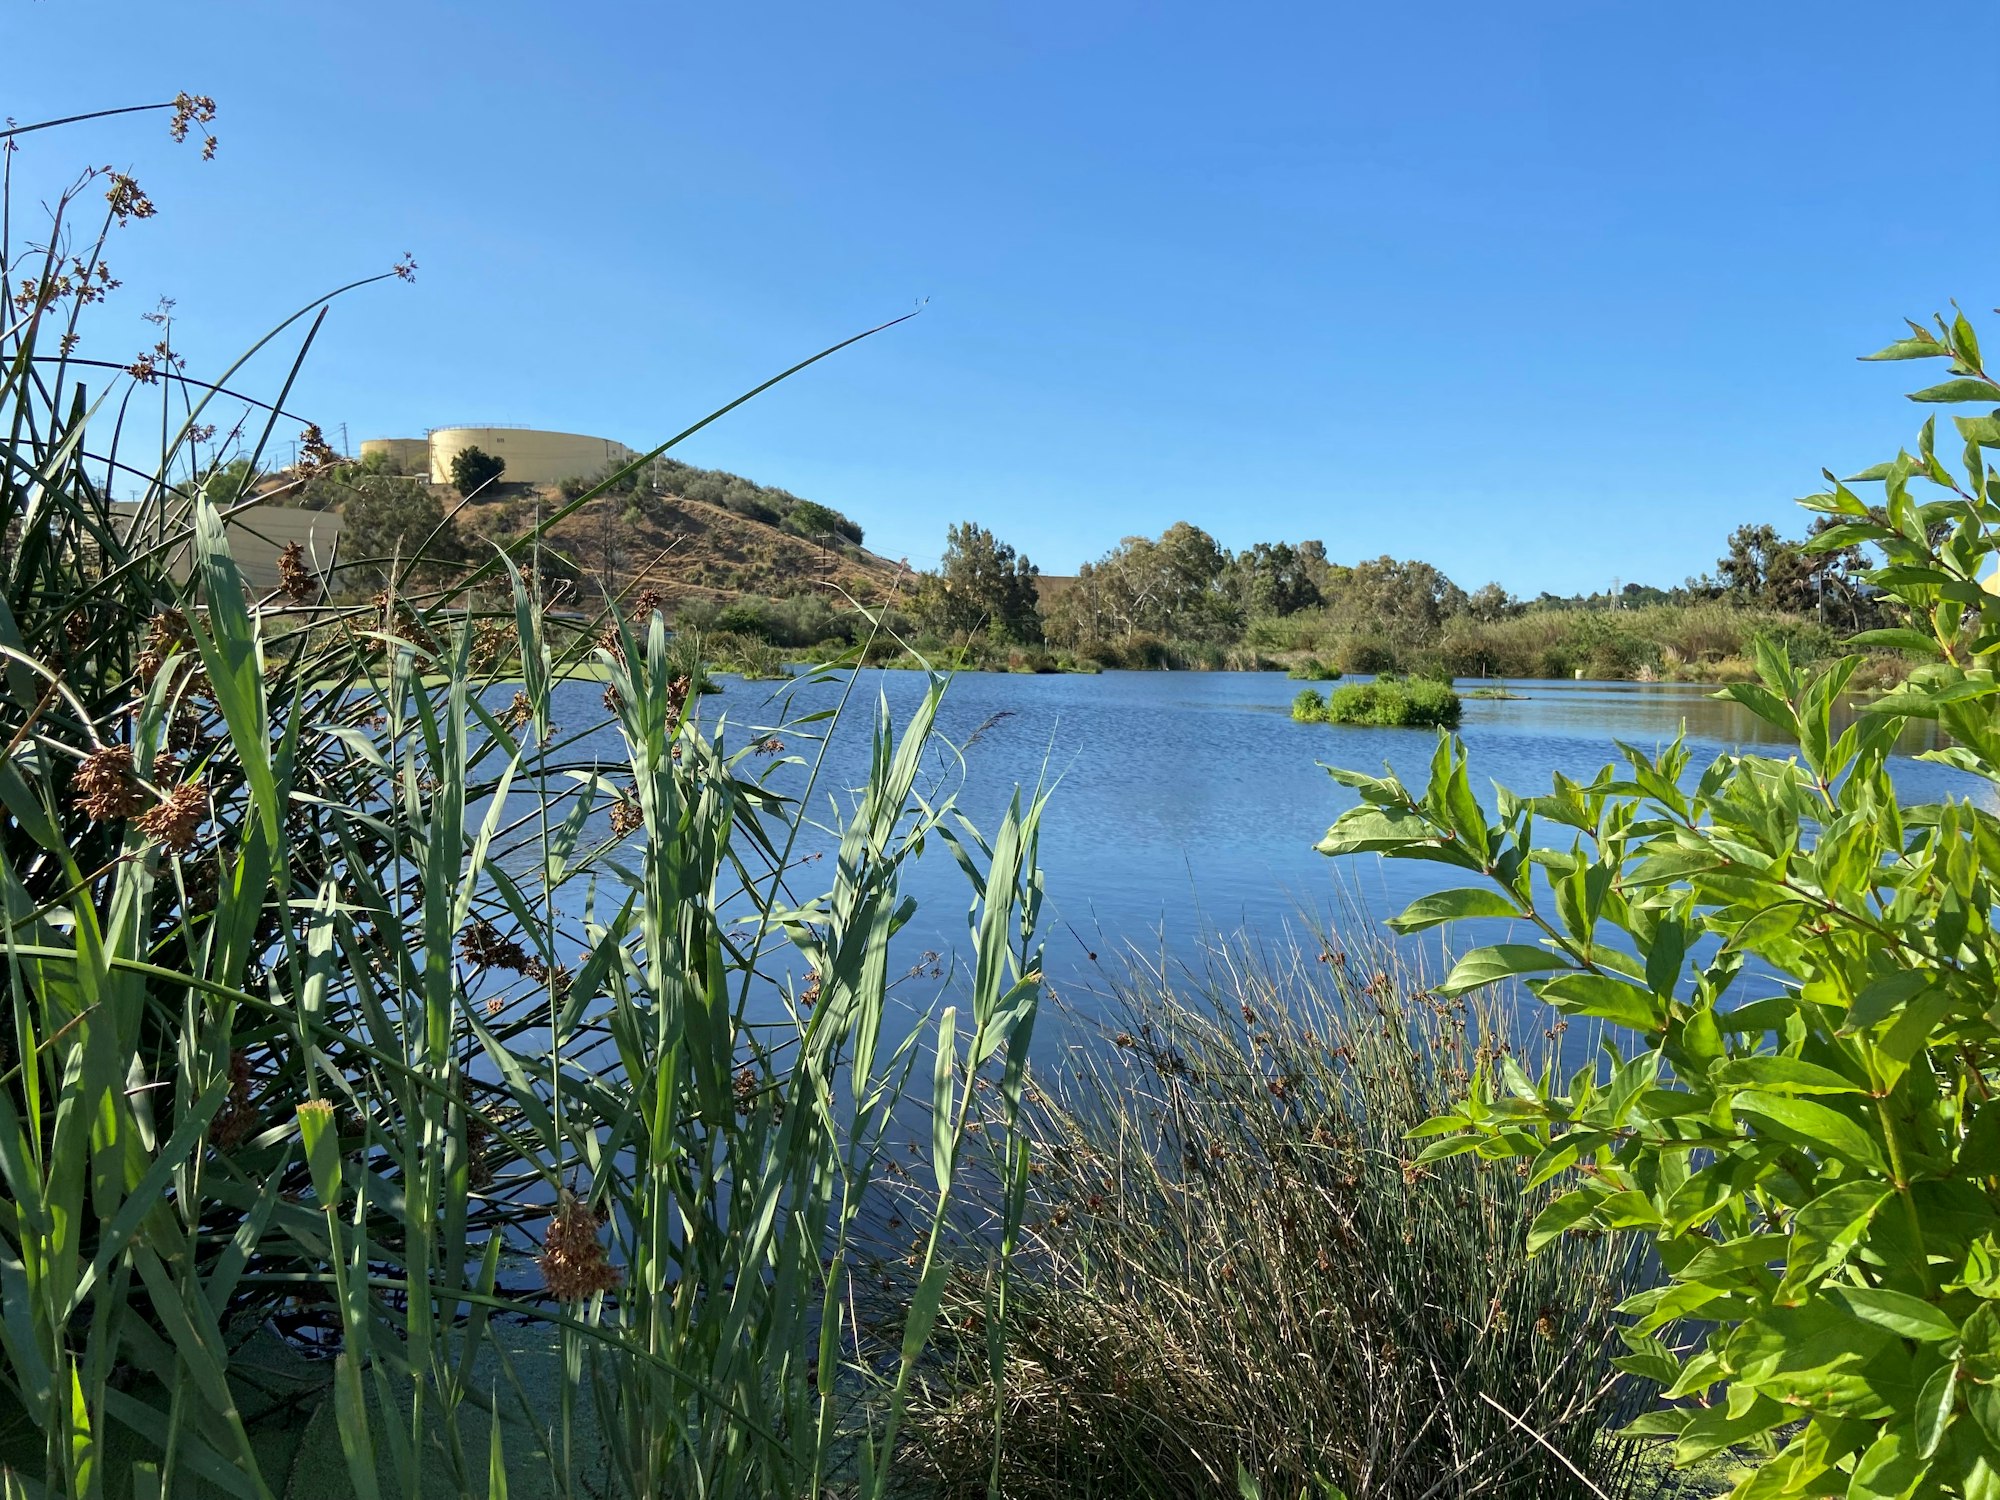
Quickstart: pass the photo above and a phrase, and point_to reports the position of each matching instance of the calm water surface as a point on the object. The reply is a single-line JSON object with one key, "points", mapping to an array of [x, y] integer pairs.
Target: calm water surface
{"points": [[1187, 804]]}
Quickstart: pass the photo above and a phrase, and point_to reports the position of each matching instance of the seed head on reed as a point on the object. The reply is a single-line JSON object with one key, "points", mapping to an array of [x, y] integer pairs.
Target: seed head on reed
{"points": [[192, 109], [517, 714], [573, 1261], [492, 640], [175, 821], [104, 788], [127, 199], [165, 634], [238, 1117], [557, 979], [315, 452], [294, 577], [484, 947], [626, 815]]}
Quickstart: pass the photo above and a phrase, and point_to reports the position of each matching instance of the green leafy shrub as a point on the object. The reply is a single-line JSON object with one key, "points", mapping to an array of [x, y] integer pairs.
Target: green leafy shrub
{"points": [[1386, 703], [1802, 1115], [1312, 669], [474, 470]]}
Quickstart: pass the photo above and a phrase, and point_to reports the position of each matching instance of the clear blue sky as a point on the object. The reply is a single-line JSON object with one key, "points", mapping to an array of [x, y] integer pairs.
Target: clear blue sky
{"points": [[1547, 293]]}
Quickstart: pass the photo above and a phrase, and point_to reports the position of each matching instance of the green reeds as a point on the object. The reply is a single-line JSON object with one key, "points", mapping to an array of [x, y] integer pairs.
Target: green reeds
{"points": [[351, 1011]]}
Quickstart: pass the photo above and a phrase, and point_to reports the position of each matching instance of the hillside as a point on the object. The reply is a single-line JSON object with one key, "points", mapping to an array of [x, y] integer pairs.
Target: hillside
{"points": [[684, 548]]}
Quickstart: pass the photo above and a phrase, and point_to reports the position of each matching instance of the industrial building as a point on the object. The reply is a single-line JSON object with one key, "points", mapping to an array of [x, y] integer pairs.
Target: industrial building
{"points": [[532, 456]]}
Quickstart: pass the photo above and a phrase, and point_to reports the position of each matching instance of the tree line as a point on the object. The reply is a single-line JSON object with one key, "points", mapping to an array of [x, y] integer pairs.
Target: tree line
{"points": [[1185, 586]]}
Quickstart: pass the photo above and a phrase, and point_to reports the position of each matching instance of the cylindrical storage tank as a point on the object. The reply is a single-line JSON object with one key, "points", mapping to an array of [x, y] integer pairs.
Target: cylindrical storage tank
{"points": [[403, 455], [533, 457]]}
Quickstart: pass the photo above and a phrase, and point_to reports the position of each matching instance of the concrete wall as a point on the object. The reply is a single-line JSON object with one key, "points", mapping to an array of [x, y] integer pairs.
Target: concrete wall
{"points": [[258, 535], [532, 457], [405, 455]]}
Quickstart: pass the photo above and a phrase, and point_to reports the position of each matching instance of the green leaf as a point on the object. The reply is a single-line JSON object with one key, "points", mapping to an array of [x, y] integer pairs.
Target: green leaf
{"points": [[1607, 999], [1900, 1313], [1966, 388], [1566, 1213], [1899, 639], [1889, 1469], [1501, 961], [1880, 998], [1825, 1232], [1453, 906], [1780, 1075], [942, 1096], [1813, 1126], [1935, 1403], [1922, 346]]}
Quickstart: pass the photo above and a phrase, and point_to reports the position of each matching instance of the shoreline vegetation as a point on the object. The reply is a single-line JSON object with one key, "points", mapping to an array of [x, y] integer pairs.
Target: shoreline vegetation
{"points": [[1387, 702], [369, 1051]]}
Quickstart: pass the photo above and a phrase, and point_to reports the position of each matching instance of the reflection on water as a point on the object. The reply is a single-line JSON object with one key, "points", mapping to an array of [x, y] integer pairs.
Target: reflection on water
{"points": [[1190, 802]]}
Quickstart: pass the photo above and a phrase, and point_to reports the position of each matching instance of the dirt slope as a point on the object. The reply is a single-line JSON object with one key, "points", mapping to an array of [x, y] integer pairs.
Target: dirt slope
{"points": [[683, 548]]}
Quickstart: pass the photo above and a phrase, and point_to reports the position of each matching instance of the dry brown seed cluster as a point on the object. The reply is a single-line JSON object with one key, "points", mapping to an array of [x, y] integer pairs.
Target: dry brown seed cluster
{"points": [[175, 822], [85, 282], [492, 641], [483, 946], [573, 1260], [127, 199], [315, 452], [104, 787], [294, 577], [626, 816], [193, 109], [168, 632], [516, 715], [238, 1117], [479, 1165], [557, 979]]}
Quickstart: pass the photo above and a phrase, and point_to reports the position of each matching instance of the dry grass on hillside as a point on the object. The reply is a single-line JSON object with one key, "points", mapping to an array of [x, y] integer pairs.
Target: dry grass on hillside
{"points": [[685, 548]]}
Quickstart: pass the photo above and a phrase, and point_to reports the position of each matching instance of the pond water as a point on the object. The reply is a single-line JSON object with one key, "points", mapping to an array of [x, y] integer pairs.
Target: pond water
{"points": [[1186, 804]]}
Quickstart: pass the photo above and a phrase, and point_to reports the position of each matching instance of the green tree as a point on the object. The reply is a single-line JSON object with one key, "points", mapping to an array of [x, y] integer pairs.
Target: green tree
{"points": [[387, 520], [1176, 586], [225, 485], [982, 585], [1799, 1103], [820, 522], [474, 470], [1408, 602], [1273, 578]]}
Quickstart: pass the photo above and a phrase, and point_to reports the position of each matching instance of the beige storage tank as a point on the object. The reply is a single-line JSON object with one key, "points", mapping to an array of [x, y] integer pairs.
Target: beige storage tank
{"points": [[403, 455], [533, 457]]}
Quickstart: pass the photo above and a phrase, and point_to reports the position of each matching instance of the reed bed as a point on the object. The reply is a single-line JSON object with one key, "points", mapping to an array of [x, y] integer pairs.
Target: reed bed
{"points": [[356, 1021], [1236, 1280]]}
